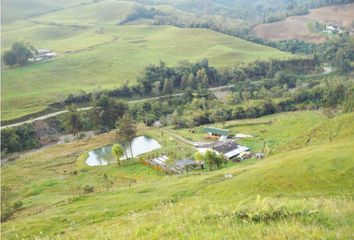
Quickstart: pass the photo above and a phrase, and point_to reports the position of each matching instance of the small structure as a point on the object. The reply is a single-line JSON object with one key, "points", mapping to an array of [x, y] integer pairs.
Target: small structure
{"points": [[242, 135], [228, 148], [157, 124], [228, 176], [244, 155], [178, 166], [216, 131], [332, 29], [185, 164], [42, 54]]}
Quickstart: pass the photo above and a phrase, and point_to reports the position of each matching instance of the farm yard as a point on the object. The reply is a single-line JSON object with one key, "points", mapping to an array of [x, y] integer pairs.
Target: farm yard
{"points": [[297, 27]]}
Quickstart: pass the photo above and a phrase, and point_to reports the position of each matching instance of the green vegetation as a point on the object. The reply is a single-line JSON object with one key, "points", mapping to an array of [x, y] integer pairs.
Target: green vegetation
{"points": [[178, 54], [117, 152], [19, 54], [33, 87], [73, 123], [294, 192]]}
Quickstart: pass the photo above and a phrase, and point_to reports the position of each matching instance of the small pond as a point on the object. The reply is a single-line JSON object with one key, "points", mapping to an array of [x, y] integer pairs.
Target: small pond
{"points": [[103, 155]]}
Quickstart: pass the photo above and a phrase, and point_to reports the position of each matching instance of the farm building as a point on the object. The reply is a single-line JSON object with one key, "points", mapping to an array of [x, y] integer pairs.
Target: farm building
{"points": [[176, 167], [184, 163], [228, 148], [42, 54], [216, 131]]}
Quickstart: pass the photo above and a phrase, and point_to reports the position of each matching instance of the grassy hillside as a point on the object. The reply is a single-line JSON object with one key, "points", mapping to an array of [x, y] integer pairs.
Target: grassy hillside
{"points": [[102, 13], [14, 10], [287, 195], [61, 39], [93, 59]]}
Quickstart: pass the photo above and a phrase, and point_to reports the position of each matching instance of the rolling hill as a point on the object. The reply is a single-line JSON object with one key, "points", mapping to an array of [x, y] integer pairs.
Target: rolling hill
{"points": [[99, 58], [305, 190]]}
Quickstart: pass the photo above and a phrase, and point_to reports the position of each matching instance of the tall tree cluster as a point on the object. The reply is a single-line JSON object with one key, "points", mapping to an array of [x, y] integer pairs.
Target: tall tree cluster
{"points": [[19, 54]]}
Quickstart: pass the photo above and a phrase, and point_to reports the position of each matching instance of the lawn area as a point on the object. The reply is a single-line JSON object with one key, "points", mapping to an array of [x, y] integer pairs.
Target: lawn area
{"points": [[93, 59], [100, 13], [286, 195], [271, 133]]}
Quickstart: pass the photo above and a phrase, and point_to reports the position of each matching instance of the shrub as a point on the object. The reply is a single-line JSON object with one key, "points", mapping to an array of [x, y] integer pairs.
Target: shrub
{"points": [[17, 205], [82, 135], [88, 189]]}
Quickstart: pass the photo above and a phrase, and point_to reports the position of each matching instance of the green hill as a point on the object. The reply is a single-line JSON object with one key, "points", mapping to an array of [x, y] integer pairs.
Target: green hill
{"points": [[306, 190], [14, 10], [102, 13], [93, 59]]}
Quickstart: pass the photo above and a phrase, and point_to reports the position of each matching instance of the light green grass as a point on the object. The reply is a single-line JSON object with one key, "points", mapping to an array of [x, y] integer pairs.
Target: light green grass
{"points": [[60, 39], [31, 88], [100, 13], [273, 131], [311, 189], [13, 10]]}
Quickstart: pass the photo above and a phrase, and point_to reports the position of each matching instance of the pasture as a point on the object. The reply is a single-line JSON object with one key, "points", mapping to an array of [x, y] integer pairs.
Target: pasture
{"points": [[288, 194], [92, 59]]}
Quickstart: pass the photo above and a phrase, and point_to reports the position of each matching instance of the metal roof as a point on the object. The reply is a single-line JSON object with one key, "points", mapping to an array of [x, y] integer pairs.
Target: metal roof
{"points": [[184, 162], [218, 131], [236, 151]]}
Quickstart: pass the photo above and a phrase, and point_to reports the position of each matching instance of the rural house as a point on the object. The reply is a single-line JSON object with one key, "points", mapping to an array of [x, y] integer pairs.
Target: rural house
{"points": [[229, 149]]}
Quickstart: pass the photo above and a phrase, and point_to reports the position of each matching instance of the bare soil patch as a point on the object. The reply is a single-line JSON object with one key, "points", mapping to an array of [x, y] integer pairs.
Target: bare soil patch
{"points": [[296, 27]]}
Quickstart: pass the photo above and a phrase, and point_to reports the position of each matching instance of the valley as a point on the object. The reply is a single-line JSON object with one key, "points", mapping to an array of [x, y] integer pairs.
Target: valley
{"points": [[186, 119]]}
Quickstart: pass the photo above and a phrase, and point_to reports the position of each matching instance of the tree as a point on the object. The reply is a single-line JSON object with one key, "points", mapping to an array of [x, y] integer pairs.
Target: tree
{"points": [[342, 61], [117, 151], [203, 79], [9, 58], [10, 141], [191, 83], [156, 86], [198, 157], [126, 130], [270, 72], [218, 116], [94, 116], [184, 81], [210, 158], [6, 210], [167, 86], [109, 112], [73, 123], [20, 53]]}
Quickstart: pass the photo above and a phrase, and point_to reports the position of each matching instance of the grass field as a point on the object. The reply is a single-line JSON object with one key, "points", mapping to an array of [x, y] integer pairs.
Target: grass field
{"points": [[288, 195], [90, 61], [270, 132], [100, 13], [22, 9]]}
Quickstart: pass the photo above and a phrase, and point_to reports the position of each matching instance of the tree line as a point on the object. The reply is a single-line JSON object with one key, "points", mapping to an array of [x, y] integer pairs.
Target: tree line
{"points": [[260, 81], [160, 79], [283, 92]]}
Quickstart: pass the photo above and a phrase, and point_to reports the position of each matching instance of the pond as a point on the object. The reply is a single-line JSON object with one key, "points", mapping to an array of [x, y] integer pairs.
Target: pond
{"points": [[103, 155]]}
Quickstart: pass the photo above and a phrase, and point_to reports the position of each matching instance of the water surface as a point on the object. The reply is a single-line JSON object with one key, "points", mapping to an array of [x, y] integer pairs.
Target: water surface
{"points": [[103, 155]]}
